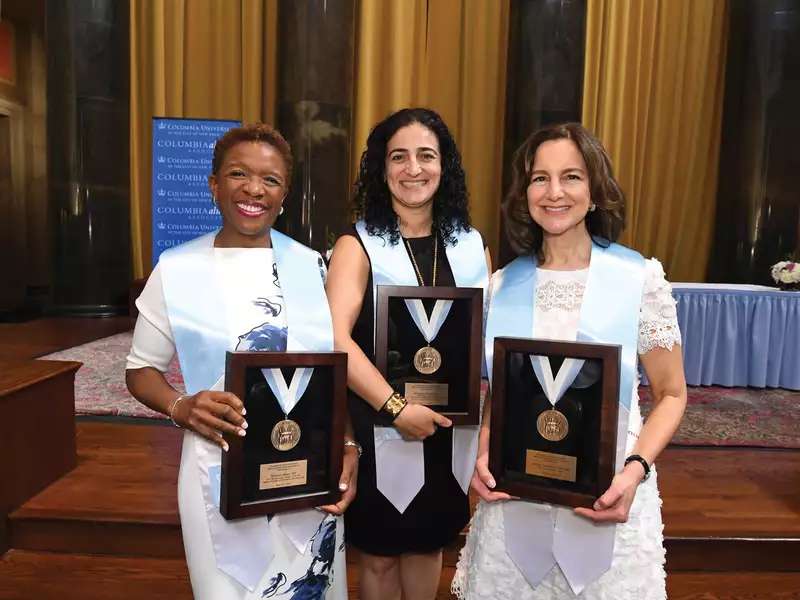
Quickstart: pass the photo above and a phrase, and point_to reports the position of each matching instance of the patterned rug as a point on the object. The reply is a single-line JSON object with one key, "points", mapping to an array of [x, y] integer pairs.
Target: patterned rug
{"points": [[715, 416]]}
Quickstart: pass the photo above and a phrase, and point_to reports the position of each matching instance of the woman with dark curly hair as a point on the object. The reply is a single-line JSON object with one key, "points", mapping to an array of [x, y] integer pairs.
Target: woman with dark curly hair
{"points": [[413, 229], [564, 213]]}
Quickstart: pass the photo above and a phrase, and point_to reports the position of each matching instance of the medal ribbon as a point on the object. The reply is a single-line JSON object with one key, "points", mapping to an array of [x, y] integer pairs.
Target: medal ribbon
{"points": [[288, 395], [429, 328], [568, 372]]}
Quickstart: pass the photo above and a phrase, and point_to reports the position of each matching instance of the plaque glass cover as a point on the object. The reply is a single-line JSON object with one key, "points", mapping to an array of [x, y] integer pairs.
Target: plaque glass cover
{"points": [[560, 453], [287, 461], [442, 372]]}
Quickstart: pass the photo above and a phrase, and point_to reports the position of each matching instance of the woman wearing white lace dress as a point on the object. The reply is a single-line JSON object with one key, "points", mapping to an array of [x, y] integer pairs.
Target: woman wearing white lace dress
{"points": [[564, 211]]}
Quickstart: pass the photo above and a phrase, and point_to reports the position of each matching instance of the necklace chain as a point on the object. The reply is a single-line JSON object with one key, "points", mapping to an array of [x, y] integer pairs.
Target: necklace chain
{"points": [[435, 260]]}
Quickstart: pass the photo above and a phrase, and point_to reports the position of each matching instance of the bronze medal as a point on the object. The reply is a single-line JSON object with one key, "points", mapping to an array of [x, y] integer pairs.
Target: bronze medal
{"points": [[552, 425], [285, 435], [427, 360]]}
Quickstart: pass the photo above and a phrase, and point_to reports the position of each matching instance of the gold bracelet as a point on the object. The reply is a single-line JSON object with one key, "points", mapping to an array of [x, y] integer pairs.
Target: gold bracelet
{"points": [[172, 410], [394, 405]]}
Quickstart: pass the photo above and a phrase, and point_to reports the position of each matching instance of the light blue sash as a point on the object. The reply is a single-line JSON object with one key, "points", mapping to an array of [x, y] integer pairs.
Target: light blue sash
{"points": [[609, 312], [196, 307], [391, 265], [540, 536], [197, 316]]}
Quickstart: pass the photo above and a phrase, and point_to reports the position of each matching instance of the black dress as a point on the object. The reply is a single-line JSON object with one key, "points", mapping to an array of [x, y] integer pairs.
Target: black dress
{"points": [[440, 511]]}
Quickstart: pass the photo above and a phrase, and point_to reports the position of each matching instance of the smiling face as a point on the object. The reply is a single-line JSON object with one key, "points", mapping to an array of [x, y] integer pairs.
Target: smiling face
{"points": [[413, 166], [558, 192], [249, 188]]}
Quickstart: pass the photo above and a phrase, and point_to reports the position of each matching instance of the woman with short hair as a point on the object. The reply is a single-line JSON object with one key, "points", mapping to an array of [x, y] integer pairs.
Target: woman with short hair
{"points": [[237, 289]]}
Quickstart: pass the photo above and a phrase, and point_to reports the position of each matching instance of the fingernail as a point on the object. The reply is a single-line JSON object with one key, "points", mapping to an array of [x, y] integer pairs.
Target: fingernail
{"points": [[244, 410], [342, 487], [241, 432], [244, 424], [596, 506], [225, 446], [492, 483]]}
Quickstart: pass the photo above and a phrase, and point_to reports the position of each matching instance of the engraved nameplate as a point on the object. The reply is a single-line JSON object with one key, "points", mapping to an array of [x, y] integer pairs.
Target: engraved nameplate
{"points": [[428, 394], [284, 474], [552, 466]]}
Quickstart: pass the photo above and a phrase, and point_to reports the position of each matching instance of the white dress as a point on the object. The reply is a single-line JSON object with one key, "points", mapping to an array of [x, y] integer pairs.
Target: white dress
{"points": [[256, 321], [485, 571]]}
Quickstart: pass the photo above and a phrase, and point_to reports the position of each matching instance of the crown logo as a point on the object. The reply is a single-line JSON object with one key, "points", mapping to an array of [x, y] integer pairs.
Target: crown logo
{"points": [[161, 159], [162, 193], [162, 125], [161, 225]]}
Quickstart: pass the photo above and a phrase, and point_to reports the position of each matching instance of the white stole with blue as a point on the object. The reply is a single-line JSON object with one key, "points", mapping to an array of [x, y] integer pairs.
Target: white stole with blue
{"points": [[399, 463], [196, 310], [539, 536]]}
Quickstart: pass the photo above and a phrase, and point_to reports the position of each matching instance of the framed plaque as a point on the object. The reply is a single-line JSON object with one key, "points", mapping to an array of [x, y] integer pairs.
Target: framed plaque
{"points": [[428, 347], [291, 457], [554, 419]]}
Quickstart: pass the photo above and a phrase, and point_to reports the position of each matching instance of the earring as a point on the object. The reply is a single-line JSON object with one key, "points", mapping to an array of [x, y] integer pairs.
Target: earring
{"points": [[592, 207], [280, 212]]}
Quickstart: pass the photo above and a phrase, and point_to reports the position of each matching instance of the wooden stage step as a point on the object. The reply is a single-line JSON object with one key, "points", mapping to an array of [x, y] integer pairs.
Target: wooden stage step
{"points": [[732, 511]]}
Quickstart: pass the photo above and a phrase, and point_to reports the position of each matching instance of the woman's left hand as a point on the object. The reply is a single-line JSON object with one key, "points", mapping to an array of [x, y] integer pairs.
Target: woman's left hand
{"points": [[347, 482], [615, 505]]}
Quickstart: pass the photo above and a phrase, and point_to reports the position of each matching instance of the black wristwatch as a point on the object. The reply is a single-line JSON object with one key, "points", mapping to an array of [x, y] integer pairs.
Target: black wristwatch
{"points": [[641, 461]]}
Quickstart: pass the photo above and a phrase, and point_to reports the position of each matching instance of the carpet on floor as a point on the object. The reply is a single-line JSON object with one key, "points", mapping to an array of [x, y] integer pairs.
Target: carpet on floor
{"points": [[715, 416]]}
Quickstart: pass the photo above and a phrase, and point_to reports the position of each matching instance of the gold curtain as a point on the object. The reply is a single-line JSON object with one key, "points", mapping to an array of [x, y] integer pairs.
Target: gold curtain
{"points": [[201, 59], [448, 55], [653, 91]]}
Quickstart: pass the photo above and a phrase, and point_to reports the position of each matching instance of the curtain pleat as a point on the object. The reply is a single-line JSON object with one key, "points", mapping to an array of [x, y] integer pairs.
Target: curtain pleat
{"points": [[653, 92]]}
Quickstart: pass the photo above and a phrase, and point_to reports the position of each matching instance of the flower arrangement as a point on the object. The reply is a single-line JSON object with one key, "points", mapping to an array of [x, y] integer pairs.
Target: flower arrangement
{"points": [[786, 274]]}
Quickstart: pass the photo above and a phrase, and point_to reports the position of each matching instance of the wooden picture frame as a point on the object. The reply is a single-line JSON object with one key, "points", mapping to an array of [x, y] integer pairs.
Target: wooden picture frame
{"points": [[578, 470], [321, 415], [460, 341]]}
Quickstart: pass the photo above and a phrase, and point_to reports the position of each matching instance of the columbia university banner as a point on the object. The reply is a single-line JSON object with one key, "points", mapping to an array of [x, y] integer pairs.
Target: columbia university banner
{"points": [[181, 200]]}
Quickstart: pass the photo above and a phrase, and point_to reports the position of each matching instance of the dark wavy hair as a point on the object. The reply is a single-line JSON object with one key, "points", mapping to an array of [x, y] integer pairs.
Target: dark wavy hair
{"points": [[372, 200], [253, 132], [605, 223]]}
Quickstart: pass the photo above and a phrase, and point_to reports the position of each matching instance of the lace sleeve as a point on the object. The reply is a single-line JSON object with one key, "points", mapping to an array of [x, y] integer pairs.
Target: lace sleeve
{"points": [[658, 319]]}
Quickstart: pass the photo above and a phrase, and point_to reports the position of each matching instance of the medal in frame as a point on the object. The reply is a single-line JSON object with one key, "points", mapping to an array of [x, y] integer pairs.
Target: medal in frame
{"points": [[554, 419], [291, 457], [428, 347]]}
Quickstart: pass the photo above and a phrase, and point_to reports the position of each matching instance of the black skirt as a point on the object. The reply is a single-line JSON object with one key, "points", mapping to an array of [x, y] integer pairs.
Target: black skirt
{"points": [[440, 511]]}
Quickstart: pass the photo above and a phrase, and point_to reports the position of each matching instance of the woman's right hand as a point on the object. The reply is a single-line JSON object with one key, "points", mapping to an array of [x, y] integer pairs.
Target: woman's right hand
{"points": [[482, 481], [416, 422], [211, 414]]}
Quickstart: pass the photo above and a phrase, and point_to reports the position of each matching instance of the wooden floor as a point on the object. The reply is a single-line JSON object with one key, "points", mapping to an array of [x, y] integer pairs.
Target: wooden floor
{"points": [[110, 528], [43, 336]]}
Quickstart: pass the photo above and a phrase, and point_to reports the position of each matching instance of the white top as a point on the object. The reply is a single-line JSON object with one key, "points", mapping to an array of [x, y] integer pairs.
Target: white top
{"points": [[559, 295], [254, 308]]}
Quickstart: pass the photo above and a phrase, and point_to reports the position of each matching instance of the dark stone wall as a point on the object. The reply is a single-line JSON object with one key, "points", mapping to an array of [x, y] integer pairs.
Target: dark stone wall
{"points": [[88, 167], [758, 198]]}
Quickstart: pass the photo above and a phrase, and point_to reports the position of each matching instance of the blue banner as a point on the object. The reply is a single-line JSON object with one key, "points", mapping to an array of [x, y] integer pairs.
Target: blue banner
{"points": [[181, 200]]}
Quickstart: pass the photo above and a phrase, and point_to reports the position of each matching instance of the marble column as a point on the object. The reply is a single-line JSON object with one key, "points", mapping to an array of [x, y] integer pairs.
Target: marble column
{"points": [[544, 75], [314, 111], [87, 141], [758, 197]]}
